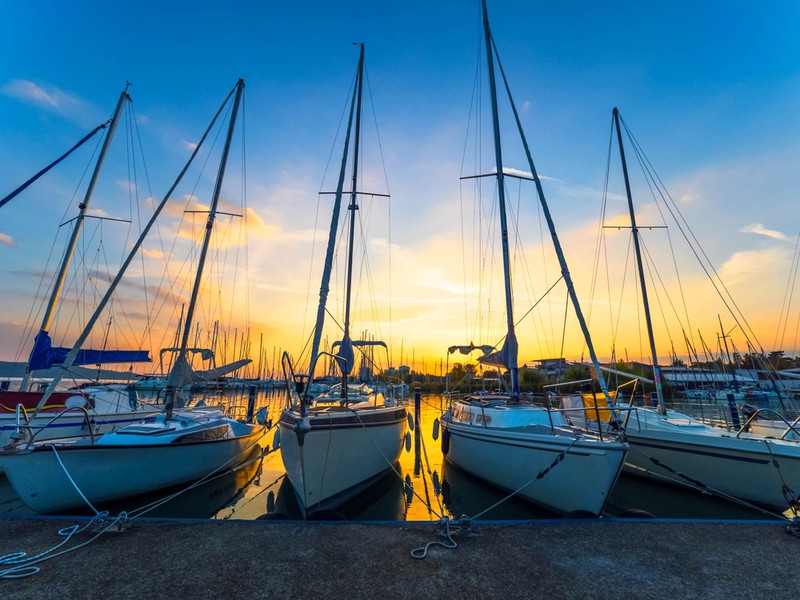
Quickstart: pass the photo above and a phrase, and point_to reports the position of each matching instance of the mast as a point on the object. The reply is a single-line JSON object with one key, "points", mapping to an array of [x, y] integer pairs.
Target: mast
{"points": [[73, 240], [347, 348], [510, 345], [70, 358], [181, 368], [656, 369], [326, 272], [562, 261]]}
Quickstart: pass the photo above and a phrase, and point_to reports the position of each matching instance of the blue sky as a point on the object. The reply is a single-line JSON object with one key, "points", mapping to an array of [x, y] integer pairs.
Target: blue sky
{"points": [[709, 88]]}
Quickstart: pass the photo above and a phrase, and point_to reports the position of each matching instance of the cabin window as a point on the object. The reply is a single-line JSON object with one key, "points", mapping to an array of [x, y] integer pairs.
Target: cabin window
{"points": [[205, 435]]}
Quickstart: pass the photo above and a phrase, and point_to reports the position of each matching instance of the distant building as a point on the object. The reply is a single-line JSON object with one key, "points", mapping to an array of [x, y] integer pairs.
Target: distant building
{"points": [[553, 368]]}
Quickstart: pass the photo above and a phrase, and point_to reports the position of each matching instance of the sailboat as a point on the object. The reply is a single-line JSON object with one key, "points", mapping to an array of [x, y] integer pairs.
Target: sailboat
{"points": [[513, 443], [674, 447], [99, 408], [349, 436], [178, 446]]}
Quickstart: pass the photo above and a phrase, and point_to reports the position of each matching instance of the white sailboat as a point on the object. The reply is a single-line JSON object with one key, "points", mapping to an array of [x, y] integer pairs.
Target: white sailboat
{"points": [[510, 442], [674, 447], [98, 409], [177, 447], [346, 438]]}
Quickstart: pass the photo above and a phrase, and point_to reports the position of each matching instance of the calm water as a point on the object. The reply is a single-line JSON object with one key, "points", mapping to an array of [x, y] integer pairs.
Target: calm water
{"points": [[259, 486]]}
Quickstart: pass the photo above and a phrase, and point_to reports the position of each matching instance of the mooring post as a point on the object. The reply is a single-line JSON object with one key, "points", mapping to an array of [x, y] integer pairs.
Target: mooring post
{"points": [[417, 401], [251, 403]]}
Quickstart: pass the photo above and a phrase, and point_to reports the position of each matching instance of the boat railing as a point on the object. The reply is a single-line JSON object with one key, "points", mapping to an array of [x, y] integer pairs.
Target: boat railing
{"points": [[607, 427], [790, 427], [32, 431], [296, 386], [711, 413]]}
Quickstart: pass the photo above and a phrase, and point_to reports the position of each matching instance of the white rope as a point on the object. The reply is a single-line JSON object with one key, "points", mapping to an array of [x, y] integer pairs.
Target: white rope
{"points": [[24, 567]]}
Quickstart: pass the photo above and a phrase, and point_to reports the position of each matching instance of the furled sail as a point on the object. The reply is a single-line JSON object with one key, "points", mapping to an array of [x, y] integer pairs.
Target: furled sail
{"points": [[506, 357]]}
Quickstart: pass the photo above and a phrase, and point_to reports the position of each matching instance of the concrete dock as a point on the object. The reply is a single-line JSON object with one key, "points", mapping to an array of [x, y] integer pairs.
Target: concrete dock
{"points": [[286, 559]]}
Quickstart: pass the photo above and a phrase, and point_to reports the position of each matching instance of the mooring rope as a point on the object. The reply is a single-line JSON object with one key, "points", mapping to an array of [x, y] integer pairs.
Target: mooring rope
{"points": [[392, 467], [465, 523], [24, 567], [700, 486]]}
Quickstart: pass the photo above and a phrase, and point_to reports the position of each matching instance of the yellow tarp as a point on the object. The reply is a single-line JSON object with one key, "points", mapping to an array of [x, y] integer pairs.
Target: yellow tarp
{"points": [[597, 400]]}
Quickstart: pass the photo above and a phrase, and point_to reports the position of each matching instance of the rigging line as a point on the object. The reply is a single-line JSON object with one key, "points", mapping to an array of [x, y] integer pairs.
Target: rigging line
{"points": [[727, 299], [25, 185], [651, 262], [186, 266], [651, 268], [29, 326], [519, 255], [649, 178], [334, 145], [626, 268], [564, 330], [542, 297], [168, 262], [601, 246], [546, 274], [245, 229], [788, 295], [474, 98], [388, 191]]}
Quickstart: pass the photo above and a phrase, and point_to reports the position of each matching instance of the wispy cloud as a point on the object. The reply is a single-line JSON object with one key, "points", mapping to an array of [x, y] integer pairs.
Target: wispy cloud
{"points": [[751, 265], [7, 240], [51, 99], [47, 97], [152, 253], [189, 145], [759, 229]]}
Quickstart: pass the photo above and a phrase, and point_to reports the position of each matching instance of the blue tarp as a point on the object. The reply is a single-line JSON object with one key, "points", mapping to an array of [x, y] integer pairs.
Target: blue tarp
{"points": [[44, 355]]}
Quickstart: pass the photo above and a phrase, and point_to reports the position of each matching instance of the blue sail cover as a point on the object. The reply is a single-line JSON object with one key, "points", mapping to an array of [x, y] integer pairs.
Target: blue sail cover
{"points": [[44, 355], [346, 353]]}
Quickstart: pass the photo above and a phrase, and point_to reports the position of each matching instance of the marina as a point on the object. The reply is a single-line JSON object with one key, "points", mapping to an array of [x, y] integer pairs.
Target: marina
{"points": [[318, 315], [421, 487]]}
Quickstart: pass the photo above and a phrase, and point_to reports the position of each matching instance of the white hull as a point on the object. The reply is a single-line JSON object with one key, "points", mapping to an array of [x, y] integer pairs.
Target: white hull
{"points": [[511, 456], [341, 452], [109, 470], [742, 467]]}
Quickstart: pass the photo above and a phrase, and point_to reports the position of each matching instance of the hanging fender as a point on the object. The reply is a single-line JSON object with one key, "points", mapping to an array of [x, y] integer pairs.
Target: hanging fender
{"points": [[445, 441]]}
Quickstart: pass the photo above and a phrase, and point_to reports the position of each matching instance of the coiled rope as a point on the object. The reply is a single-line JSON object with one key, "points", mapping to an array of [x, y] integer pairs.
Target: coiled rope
{"points": [[25, 567], [465, 523]]}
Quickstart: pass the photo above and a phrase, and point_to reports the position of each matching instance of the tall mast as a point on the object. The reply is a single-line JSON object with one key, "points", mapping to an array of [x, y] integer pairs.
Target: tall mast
{"points": [[346, 343], [326, 272], [642, 283], [510, 345], [562, 261], [181, 366], [70, 358], [73, 240]]}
